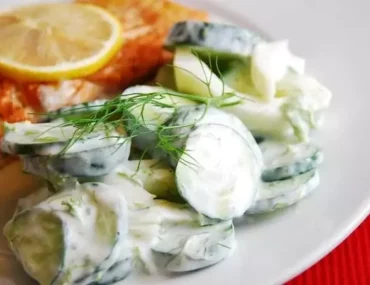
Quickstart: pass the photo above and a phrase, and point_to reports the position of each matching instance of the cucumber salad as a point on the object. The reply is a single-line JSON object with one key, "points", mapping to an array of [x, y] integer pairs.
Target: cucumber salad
{"points": [[151, 180]]}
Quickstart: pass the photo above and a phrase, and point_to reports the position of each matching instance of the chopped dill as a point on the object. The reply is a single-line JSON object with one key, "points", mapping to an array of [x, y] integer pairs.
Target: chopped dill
{"points": [[128, 112]]}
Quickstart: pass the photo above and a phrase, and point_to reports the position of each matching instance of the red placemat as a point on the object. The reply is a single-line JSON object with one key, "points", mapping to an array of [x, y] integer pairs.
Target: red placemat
{"points": [[348, 264]]}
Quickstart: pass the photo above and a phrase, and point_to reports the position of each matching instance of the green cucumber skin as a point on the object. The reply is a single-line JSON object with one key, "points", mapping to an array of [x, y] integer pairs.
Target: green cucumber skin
{"points": [[195, 116], [97, 162], [294, 169], [310, 182], [25, 138], [284, 161], [227, 40], [79, 110], [27, 149]]}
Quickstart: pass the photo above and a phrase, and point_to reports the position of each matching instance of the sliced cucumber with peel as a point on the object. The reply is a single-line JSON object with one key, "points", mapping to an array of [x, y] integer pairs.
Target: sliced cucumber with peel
{"points": [[90, 157], [232, 166], [214, 39], [76, 111], [263, 119], [284, 161], [148, 117], [193, 76], [191, 247], [218, 173], [62, 230], [190, 117], [289, 117], [166, 77], [151, 115], [281, 194], [28, 138], [220, 131], [238, 76], [179, 237]]}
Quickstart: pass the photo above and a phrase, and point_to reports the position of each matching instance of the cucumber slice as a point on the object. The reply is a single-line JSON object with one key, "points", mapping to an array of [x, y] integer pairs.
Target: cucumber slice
{"points": [[166, 77], [75, 111], [191, 247], [148, 117], [154, 227], [218, 173], [28, 138], [238, 76], [188, 118], [193, 76], [280, 194], [286, 117], [39, 166], [283, 161], [77, 236], [154, 176], [116, 273], [244, 154], [88, 157], [214, 39], [181, 239], [152, 115], [262, 119]]}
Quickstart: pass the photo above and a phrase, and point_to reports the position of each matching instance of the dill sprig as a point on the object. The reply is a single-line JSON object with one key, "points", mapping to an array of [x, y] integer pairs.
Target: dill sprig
{"points": [[118, 113], [128, 112]]}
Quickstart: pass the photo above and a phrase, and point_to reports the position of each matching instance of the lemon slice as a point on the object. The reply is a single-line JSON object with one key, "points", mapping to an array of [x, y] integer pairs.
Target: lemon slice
{"points": [[49, 42]]}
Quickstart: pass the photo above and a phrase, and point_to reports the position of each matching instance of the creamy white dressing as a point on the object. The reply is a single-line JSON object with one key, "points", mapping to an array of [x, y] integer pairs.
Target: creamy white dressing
{"points": [[147, 226], [190, 240], [270, 63]]}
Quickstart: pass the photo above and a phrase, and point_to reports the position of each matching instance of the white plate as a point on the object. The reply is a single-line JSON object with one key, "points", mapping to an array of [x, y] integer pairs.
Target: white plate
{"points": [[334, 38]]}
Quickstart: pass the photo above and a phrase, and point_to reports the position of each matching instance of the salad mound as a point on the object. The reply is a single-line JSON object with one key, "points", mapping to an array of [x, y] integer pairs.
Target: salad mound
{"points": [[151, 180]]}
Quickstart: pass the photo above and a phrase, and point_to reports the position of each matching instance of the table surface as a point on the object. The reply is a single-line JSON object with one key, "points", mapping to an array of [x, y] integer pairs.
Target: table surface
{"points": [[348, 264]]}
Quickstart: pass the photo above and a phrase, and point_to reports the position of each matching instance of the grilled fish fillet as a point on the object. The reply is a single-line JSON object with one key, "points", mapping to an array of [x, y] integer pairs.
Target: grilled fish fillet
{"points": [[145, 26]]}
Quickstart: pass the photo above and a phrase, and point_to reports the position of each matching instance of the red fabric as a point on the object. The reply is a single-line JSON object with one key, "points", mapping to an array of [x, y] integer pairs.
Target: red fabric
{"points": [[348, 264]]}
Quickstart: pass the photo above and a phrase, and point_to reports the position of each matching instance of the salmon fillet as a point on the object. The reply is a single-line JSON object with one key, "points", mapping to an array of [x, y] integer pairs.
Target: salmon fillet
{"points": [[21, 101], [146, 24]]}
